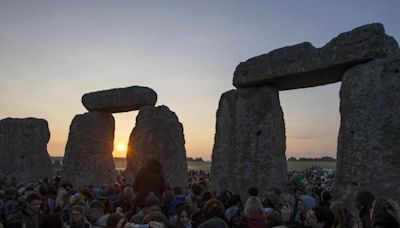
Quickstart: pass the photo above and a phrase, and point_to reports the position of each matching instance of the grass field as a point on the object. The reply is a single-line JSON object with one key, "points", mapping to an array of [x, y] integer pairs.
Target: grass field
{"points": [[292, 165]]}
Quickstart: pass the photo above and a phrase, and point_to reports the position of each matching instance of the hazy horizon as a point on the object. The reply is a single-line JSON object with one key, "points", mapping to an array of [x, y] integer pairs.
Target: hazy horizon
{"points": [[53, 52]]}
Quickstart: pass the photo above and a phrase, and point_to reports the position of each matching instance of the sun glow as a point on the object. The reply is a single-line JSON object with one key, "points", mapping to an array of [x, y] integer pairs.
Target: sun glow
{"points": [[121, 147]]}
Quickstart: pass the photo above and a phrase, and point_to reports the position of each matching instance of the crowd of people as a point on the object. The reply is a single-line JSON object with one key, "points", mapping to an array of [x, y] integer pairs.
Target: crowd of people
{"points": [[306, 201]]}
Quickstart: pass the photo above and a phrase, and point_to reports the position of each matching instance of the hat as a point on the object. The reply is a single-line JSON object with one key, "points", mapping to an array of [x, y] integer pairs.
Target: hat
{"points": [[152, 200]]}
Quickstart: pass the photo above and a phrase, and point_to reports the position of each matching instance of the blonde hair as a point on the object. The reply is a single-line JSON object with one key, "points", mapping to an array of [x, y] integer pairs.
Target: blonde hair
{"points": [[76, 199], [60, 198], [253, 207]]}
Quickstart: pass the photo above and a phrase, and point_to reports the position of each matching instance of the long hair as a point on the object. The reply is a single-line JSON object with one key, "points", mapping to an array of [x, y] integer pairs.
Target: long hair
{"points": [[214, 208], [60, 201], [253, 207], [342, 216]]}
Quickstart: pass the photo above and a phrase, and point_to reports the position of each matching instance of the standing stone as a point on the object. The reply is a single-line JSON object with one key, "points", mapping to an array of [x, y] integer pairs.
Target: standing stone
{"points": [[303, 65], [368, 145], [88, 156], [158, 134], [23, 150], [119, 100], [249, 147]]}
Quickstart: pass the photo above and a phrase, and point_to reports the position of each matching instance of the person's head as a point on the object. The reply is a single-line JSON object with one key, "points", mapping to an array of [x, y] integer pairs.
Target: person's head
{"points": [[33, 202], [62, 196], [76, 199], [113, 220], [319, 217], [364, 200], [127, 193], [253, 207], [214, 208], [253, 191], [305, 203], [168, 195], [224, 196], [380, 215], [326, 196], [288, 198], [196, 189], [203, 186], [298, 192], [341, 213], [96, 210], [207, 196], [76, 214], [152, 203], [213, 223], [235, 201], [267, 203], [43, 190], [273, 219], [177, 190], [183, 214], [156, 216]]}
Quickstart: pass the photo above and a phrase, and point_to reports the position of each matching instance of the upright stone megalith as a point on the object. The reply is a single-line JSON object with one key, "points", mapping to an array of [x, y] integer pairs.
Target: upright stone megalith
{"points": [[368, 144], [249, 147], [158, 134], [23, 150], [88, 156]]}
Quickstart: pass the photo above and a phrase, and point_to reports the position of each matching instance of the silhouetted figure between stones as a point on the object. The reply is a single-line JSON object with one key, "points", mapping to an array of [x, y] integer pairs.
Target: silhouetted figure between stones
{"points": [[149, 179]]}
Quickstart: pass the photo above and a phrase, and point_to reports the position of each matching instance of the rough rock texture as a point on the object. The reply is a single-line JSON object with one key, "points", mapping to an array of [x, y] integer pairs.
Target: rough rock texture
{"points": [[158, 134], [249, 147], [23, 150], [368, 144], [303, 65], [88, 154], [119, 100]]}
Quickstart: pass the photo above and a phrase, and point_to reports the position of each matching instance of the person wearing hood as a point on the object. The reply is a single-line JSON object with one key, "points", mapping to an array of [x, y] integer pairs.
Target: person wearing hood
{"points": [[304, 204], [149, 179]]}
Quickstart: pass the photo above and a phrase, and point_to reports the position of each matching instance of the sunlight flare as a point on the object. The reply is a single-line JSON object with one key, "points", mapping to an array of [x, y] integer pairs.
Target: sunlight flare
{"points": [[121, 147]]}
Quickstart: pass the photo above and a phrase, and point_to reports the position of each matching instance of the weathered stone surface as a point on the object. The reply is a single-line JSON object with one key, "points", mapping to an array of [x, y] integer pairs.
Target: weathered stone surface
{"points": [[88, 156], [249, 147], [119, 100], [23, 150], [158, 134], [368, 144], [303, 65]]}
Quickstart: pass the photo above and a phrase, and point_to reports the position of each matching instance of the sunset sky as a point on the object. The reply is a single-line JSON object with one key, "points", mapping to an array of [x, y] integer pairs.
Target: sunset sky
{"points": [[53, 52]]}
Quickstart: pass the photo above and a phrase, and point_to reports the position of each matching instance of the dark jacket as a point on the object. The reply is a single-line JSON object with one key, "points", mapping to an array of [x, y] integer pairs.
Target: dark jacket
{"points": [[30, 220]]}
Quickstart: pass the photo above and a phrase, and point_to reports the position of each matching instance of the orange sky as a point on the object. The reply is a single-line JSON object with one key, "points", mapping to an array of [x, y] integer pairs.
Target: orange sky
{"points": [[53, 52]]}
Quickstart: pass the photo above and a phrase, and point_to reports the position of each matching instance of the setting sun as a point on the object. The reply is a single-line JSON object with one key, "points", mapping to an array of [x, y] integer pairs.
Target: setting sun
{"points": [[121, 147]]}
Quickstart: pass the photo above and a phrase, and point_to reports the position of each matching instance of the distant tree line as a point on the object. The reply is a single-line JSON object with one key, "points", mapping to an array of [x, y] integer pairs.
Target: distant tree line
{"points": [[199, 159], [323, 159]]}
